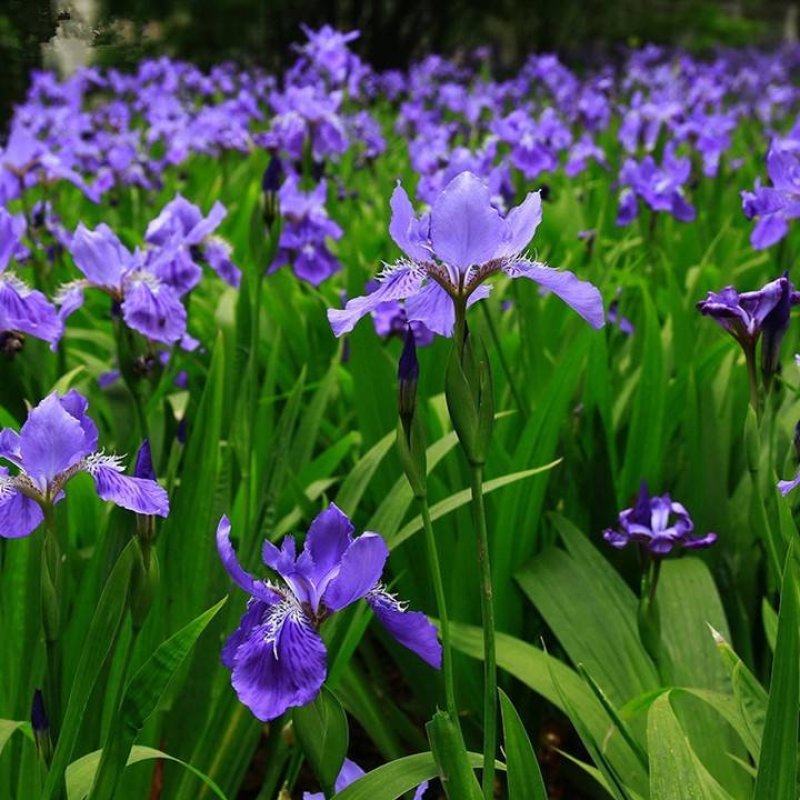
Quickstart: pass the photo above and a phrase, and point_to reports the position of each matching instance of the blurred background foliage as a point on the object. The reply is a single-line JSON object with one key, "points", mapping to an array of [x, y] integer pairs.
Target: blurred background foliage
{"points": [[65, 33]]}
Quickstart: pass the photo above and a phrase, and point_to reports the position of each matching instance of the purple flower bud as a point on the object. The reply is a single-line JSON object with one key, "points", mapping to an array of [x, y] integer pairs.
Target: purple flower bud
{"points": [[144, 462], [39, 721], [273, 176], [408, 375]]}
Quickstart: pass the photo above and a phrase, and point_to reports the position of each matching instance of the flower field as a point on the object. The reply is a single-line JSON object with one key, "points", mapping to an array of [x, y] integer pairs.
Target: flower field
{"points": [[402, 434]]}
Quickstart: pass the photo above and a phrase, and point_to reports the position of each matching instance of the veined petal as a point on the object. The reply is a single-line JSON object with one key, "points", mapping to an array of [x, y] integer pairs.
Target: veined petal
{"points": [[521, 224], [141, 495], [27, 310], [100, 255], [582, 296], [466, 229], [244, 580], [327, 540], [411, 628], [360, 570], [51, 441], [281, 665], [404, 226], [19, 515], [153, 309], [433, 307], [9, 447], [403, 281], [252, 617]]}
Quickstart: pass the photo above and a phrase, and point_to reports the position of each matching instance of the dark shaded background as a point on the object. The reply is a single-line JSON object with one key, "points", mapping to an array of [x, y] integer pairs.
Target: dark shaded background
{"points": [[394, 32]]}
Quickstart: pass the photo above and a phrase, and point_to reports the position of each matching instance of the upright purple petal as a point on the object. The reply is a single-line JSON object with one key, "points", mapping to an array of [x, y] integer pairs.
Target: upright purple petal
{"points": [[582, 296], [521, 224], [466, 229], [281, 666], [244, 580], [411, 628], [404, 226], [360, 570], [77, 405], [51, 441], [100, 255], [327, 540]]}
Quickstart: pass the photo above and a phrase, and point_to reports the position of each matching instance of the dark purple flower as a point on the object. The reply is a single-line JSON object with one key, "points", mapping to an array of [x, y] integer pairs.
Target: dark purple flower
{"points": [[276, 655], [749, 314], [657, 524], [453, 250], [57, 441]]}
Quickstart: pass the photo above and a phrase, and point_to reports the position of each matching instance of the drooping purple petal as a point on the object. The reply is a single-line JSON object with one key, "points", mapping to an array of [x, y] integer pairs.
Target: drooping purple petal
{"points": [[466, 229], [360, 570], [19, 515], [153, 309], [253, 616], [27, 311], [244, 580], [281, 665], [580, 295], [136, 494], [402, 282], [411, 628]]}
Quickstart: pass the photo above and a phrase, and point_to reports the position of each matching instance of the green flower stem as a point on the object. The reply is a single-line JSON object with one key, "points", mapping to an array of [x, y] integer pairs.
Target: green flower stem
{"points": [[51, 589], [487, 614], [752, 376], [444, 622]]}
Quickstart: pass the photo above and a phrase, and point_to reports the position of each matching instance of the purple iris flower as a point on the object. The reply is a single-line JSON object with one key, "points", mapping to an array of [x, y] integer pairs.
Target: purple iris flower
{"points": [[181, 232], [453, 249], [350, 773], [276, 655], [775, 205], [749, 314], [657, 524], [22, 309], [661, 188], [305, 231], [149, 305], [328, 50], [57, 441]]}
